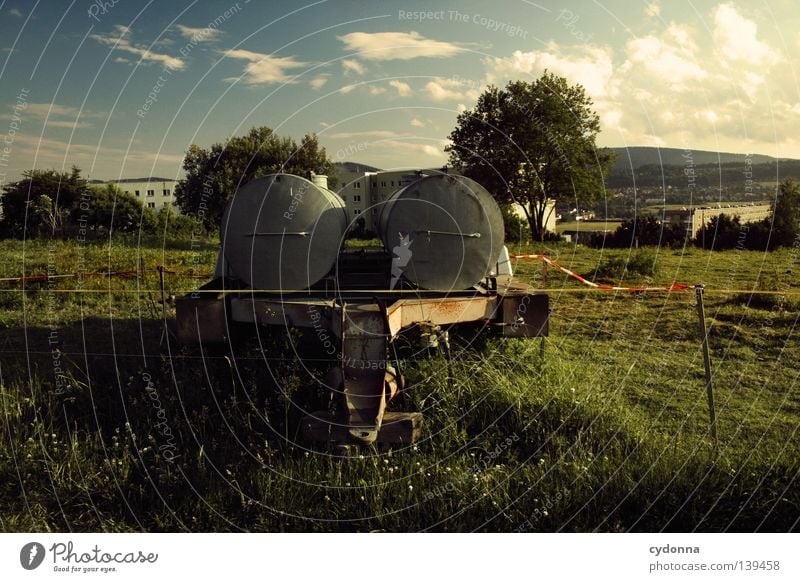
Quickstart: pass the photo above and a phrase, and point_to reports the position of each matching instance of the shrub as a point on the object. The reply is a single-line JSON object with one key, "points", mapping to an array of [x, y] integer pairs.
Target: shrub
{"points": [[641, 262]]}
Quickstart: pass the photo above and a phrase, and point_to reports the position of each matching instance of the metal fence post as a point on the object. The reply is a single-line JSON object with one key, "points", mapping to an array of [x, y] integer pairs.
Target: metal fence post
{"points": [[698, 289]]}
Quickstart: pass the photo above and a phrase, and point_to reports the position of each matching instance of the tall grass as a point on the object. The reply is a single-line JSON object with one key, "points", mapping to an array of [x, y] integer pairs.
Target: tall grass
{"points": [[607, 432]]}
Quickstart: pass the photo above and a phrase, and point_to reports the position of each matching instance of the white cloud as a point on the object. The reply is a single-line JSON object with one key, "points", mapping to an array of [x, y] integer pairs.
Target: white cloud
{"points": [[353, 66], [61, 115], [376, 133], [376, 90], [318, 82], [588, 65], [346, 89], [403, 89], [123, 44], [417, 123], [15, 12], [452, 89], [461, 108], [673, 58], [263, 69], [653, 9], [736, 38], [205, 34], [386, 46]]}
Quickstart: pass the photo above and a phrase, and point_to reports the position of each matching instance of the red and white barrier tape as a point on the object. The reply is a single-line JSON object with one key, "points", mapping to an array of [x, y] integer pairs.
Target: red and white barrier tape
{"points": [[552, 263]]}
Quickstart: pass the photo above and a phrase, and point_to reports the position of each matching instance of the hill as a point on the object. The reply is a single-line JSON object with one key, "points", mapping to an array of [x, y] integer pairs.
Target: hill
{"points": [[635, 157]]}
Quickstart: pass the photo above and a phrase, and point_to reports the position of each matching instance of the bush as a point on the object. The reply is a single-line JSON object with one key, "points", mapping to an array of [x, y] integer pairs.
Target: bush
{"points": [[647, 231], [641, 262]]}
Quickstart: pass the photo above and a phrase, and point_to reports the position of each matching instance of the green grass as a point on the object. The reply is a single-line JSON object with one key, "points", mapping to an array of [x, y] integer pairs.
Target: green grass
{"points": [[608, 432]]}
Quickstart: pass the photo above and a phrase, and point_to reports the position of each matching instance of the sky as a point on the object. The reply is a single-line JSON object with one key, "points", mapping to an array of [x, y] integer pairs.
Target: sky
{"points": [[121, 88]]}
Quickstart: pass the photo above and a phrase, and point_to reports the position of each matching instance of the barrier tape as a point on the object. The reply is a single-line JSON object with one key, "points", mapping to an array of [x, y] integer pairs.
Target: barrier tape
{"points": [[545, 259], [129, 274]]}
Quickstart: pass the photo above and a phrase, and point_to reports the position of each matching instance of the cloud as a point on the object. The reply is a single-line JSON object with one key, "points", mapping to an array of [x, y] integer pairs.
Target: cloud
{"points": [[376, 90], [588, 65], [264, 69], [353, 66], [346, 89], [15, 12], [672, 58], [376, 133], [59, 116], [653, 9], [318, 82], [403, 89], [452, 89], [387, 46], [417, 123], [122, 44], [736, 38], [205, 34]]}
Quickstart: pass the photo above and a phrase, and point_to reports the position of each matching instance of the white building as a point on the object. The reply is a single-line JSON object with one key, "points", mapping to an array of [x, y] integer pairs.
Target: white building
{"points": [[364, 196], [154, 193]]}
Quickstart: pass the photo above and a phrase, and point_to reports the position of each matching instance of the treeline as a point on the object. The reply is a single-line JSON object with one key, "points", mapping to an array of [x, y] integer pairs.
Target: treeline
{"points": [[64, 205], [722, 232], [728, 174]]}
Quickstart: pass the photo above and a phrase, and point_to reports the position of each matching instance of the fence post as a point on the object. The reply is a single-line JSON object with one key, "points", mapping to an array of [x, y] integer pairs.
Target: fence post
{"points": [[701, 314]]}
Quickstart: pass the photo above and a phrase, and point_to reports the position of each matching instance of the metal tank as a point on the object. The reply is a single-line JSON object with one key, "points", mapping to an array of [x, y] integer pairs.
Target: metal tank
{"points": [[445, 232], [282, 232]]}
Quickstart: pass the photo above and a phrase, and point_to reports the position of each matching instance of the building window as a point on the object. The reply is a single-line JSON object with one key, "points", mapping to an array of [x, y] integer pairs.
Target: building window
{"points": [[383, 184], [357, 198], [137, 192], [392, 183], [151, 192], [357, 185], [356, 211], [374, 184], [166, 192], [151, 204]]}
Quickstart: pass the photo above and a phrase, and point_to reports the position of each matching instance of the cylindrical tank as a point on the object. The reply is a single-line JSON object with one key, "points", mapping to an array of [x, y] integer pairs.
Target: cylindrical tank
{"points": [[282, 232], [445, 232]]}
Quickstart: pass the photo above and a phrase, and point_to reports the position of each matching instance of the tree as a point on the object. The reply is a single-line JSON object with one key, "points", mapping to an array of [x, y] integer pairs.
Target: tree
{"points": [[530, 142], [40, 201], [213, 175], [110, 209], [786, 215]]}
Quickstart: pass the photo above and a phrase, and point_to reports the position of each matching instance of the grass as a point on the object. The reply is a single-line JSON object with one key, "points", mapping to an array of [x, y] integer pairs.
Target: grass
{"points": [[609, 432]]}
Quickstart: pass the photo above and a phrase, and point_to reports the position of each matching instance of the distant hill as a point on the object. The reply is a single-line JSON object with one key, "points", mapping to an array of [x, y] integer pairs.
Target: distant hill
{"points": [[642, 156]]}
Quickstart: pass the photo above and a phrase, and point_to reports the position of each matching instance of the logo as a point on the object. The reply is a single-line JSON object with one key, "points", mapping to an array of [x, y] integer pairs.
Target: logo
{"points": [[402, 254], [31, 555]]}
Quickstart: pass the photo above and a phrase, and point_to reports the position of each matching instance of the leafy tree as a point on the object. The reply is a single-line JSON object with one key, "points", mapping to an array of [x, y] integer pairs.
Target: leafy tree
{"points": [[530, 142], [721, 232], [213, 175], [40, 201], [786, 219], [110, 209]]}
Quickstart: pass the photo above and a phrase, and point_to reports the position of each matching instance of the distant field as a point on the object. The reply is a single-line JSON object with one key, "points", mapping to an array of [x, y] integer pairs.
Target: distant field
{"points": [[608, 432], [591, 226]]}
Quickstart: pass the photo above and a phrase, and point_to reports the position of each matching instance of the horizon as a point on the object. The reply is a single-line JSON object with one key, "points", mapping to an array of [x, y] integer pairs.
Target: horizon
{"points": [[122, 90]]}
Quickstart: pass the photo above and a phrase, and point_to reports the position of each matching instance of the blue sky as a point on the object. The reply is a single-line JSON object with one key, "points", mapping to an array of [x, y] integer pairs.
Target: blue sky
{"points": [[121, 89]]}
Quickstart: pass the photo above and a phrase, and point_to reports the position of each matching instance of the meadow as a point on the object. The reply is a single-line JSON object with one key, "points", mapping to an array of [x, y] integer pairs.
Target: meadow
{"points": [[108, 424]]}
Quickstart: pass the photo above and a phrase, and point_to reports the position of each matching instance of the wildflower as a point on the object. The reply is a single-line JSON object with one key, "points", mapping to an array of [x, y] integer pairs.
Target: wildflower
{"points": [[544, 512], [410, 487]]}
